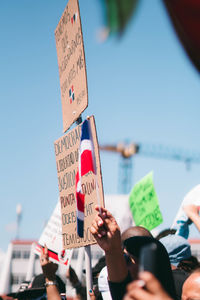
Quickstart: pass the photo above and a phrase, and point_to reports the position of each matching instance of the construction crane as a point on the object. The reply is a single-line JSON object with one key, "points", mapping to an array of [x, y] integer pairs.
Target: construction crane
{"points": [[128, 150]]}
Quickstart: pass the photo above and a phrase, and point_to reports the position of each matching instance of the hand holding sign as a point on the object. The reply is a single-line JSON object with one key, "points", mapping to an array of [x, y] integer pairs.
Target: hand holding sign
{"points": [[107, 234], [106, 230], [48, 267]]}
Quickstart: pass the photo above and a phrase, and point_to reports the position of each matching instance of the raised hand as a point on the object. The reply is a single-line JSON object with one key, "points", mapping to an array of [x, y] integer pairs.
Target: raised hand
{"points": [[152, 291], [106, 230], [49, 268]]}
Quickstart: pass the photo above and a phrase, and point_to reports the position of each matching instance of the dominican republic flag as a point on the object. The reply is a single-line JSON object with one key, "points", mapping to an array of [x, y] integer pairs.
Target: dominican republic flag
{"points": [[86, 164], [74, 18], [71, 94]]}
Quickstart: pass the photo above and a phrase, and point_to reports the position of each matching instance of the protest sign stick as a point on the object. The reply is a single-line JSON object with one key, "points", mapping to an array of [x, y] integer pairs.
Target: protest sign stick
{"points": [[88, 264], [79, 263], [88, 267]]}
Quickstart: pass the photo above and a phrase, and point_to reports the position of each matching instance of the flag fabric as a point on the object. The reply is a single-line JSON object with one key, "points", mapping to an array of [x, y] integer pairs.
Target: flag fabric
{"points": [[71, 94], [74, 18], [61, 257], [86, 164]]}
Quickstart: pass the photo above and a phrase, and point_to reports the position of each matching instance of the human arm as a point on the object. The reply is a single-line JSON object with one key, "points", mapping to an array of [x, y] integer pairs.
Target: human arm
{"points": [[49, 270], [192, 211], [73, 278], [107, 234], [152, 291]]}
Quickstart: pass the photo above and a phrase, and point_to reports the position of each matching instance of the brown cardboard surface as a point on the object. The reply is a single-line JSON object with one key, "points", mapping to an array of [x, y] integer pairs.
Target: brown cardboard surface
{"points": [[71, 64], [66, 151]]}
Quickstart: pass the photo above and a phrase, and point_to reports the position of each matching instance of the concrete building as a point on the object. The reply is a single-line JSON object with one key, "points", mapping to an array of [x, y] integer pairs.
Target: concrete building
{"points": [[21, 263]]}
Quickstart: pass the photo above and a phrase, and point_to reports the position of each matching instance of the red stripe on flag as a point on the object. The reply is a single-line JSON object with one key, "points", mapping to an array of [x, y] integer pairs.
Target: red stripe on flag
{"points": [[53, 255], [86, 162], [85, 165], [80, 201]]}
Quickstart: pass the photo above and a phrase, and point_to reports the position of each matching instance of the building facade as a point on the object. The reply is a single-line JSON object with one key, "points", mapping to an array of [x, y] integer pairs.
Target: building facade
{"points": [[22, 264]]}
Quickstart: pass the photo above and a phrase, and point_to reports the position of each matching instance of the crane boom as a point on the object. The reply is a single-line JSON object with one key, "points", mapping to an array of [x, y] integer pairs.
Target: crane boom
{"points": [[128, 150], [165, 152]]}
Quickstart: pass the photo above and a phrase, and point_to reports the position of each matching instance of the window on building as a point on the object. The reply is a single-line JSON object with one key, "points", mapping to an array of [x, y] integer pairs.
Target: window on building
{"points": [[17, 278], [14, 279], [22, 278], [16, 254], [26, 254]]}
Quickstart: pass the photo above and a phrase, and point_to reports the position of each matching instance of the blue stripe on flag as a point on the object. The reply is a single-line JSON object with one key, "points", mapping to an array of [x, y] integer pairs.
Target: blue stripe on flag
{"points": [[80, 227], [85, 131]]}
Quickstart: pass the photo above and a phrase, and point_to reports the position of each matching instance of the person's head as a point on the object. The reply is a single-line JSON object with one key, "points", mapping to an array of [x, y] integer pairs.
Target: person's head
{"points": [[178, 248], [162, 267], [135, 231], [147, 287], [97, 268], [132, 260], [190, 264], [191, 287]]}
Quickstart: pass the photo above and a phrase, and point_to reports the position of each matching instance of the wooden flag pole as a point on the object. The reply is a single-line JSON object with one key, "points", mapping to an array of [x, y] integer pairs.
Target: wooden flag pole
{"points": [[88, 267]]}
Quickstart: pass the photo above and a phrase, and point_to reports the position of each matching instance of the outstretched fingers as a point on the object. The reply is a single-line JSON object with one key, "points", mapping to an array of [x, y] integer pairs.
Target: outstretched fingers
{"points": [[107, 218], [44, 257], [153, 289], [97, 227]]}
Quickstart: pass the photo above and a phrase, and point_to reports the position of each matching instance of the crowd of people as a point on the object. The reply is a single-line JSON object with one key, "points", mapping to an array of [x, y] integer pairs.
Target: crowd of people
{"points": [[135, 266]]}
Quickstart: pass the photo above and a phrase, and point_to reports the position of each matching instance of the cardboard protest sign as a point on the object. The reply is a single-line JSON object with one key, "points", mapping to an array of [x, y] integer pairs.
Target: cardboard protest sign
{"points": [[181, 220], [71, 63], [144, 204], [52, 237], [67, 157]]}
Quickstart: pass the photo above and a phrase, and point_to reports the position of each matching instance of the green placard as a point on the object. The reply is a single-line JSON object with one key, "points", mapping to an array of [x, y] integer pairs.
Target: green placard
{"points": [[144, 204]]}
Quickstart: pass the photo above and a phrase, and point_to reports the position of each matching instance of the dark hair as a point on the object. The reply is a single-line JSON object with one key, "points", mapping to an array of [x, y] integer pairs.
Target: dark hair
{"points": [[97, 293], [162, 265], [99, 266], [165, 232], [190, 264]]}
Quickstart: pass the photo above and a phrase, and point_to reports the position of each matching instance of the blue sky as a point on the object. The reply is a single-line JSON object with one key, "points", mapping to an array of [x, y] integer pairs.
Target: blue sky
{"points": [[142, 88]]}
